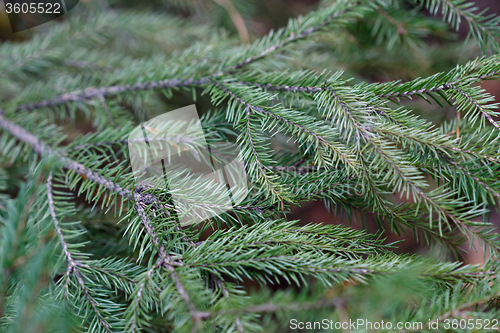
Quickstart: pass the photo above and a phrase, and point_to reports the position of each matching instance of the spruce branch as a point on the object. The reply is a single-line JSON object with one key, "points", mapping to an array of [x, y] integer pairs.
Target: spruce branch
{"points": [[491, 190], [414, 182], [164, 260], [366, 134], [476, 105], [103, 143], [268, 179], [441, 147], [73, 265], [42, 149], [410, 176], [473, 72], [397, 90], [483, 28], [303, 135], [464, 75], [91, 93], [339, 151]]}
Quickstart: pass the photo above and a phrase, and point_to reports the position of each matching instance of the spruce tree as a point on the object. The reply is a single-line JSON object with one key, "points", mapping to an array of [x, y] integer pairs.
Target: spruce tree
{"points": [[328, 108]]}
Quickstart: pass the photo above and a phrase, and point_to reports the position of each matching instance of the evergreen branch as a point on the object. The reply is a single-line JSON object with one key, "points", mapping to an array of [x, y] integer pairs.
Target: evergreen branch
{"points": [[144, 199], [398, 24], [464, 225], [115, 274], [303, 135], [464, 75], [283, 261], [478, 106], [139, 295], [410, 217], [173, 139], [260, 166], [443, 213], [372, 190], [423, 141], [91, 93], [291, 252], [394, 89], [380, 206], [447, 86], [225, 294], [484, 28], [476, 154], [164, 260], [55, 221], [330, 239], [306, 90], [317, 193], [479, 181], [72, 264], [338, 151], [181, 289], [262, 170], [146, 223], [366, 133], [42, 149], [301, 170]]}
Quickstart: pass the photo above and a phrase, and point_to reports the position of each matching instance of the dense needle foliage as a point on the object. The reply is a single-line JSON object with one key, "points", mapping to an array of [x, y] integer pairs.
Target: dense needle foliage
{"points": [[316, 117]]}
